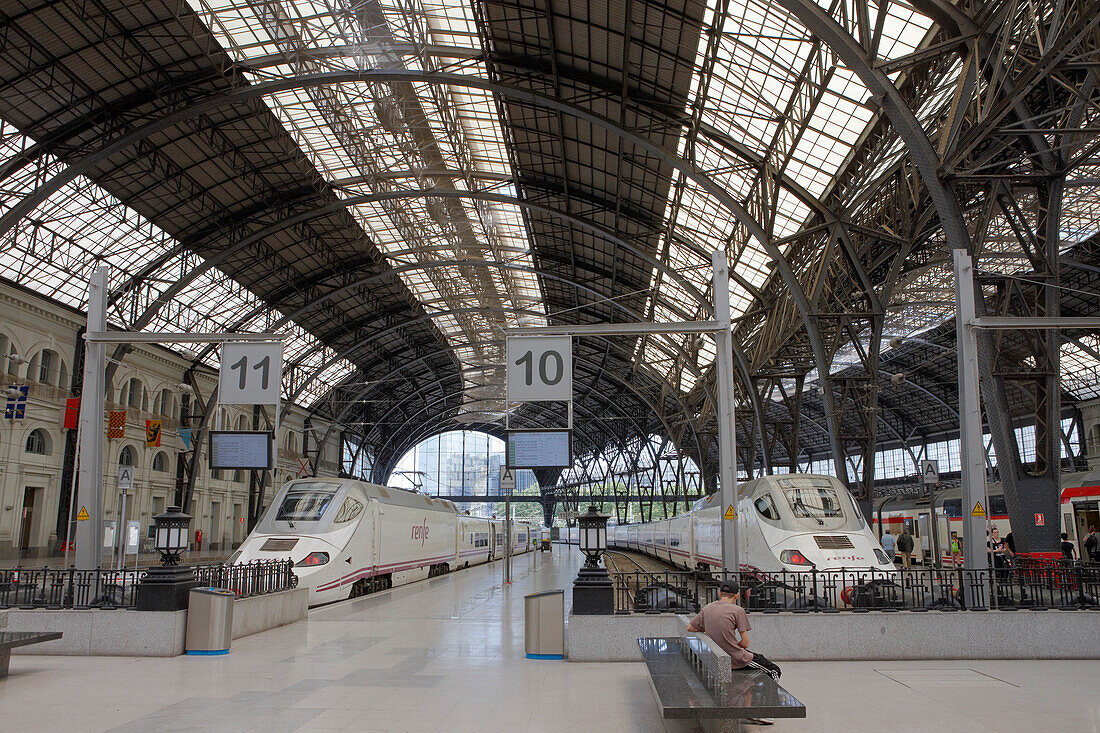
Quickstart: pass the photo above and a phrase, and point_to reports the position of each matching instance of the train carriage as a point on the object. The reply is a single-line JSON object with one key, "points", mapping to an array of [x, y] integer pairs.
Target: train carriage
{"points": [[787, 523], [1080, 498], [347, 538]]}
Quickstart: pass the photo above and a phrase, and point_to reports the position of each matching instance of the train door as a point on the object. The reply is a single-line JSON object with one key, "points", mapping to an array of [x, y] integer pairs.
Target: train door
{"points": [[1086, 514], [923, 538], [375, 534]]}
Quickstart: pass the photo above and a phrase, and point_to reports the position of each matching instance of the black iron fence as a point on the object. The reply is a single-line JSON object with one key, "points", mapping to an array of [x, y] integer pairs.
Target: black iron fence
{"points": [[249, 579], [1069, 586], [52, 588]]}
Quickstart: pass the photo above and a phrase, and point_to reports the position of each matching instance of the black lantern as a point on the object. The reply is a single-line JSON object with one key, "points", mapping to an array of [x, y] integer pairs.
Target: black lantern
{"points": [[592, 535], [166, 587], [170, 536], [593, 592]]}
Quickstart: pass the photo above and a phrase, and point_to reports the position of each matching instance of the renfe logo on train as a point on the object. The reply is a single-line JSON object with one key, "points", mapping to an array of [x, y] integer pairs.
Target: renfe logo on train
{"points": [[420, 532]]}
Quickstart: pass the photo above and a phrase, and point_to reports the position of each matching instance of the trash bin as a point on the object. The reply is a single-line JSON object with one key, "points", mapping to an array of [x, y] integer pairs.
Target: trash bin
{"points": [[209, 620], [544, 624]]}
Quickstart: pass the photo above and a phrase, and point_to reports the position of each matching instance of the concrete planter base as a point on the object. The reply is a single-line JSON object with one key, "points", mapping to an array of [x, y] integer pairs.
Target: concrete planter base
{"points": [[129, 633], [864, 636]]}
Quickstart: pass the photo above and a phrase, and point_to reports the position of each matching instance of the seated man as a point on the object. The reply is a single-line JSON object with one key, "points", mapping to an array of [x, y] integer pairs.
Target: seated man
{"points": [[728, 625]]}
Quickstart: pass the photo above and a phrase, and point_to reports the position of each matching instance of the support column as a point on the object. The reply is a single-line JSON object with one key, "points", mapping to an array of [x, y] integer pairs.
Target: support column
{"points": [[972, 452], [724, 411], [89, 531]]}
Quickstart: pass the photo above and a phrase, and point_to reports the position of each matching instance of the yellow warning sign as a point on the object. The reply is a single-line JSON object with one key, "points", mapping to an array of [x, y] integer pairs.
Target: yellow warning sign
{"points": [[730, 515], [83, 516], [978, 510]]}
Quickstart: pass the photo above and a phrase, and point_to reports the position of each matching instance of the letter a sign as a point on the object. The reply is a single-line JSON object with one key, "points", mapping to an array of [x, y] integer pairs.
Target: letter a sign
{"points": [[929, 472]]}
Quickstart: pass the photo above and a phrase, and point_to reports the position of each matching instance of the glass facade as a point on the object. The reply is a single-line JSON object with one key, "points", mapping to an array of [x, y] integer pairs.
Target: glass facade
{"points": [[457, 463]]}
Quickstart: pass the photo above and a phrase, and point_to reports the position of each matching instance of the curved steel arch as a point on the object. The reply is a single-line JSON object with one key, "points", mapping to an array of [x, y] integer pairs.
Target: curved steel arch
{"points": [[686, 168], [597, 370]]}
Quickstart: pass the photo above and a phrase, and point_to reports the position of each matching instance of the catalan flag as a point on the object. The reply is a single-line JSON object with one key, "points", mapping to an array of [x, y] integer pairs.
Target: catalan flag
{"points": [[116, 424]]}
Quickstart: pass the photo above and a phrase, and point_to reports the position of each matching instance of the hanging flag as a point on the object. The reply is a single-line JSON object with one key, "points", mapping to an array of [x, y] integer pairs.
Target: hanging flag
{"points": [[185, 435], [116, 424], [16, 406], [152, 433], [72, 413]]}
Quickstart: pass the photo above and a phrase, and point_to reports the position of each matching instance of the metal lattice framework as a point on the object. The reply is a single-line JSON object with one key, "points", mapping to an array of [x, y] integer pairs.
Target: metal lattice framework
{"points": [[393, 184]]}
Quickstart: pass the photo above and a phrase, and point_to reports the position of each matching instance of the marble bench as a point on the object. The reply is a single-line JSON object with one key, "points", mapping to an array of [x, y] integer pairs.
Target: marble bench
{"points": [[12, 639], [691, 679]]}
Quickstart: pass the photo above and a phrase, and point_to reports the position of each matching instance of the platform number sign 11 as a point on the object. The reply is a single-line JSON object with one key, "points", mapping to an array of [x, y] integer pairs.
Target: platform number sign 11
{"points": [[251, 373], [539, 368]]}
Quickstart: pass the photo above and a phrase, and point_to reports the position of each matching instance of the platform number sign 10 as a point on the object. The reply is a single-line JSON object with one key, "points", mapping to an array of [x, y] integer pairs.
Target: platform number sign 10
{"points": [[540, 368], [251, 373]]}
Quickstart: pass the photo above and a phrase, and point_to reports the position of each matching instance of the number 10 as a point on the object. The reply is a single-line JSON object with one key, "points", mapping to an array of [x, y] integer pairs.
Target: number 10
{"points": [[527, 361]]}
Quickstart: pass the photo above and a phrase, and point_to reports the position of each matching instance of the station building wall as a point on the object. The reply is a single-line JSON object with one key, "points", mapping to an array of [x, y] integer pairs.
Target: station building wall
{"points": [[38, 341], [1090, 421]]}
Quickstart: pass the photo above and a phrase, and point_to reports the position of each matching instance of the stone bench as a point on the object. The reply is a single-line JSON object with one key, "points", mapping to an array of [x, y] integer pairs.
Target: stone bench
{"points": [[691, 679], [11, 639]]}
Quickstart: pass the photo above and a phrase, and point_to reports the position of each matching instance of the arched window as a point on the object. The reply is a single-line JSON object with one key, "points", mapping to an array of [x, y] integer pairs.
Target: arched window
{"points": [[38, 442], [162, 405], [241, 425], [43, 366], [291, 441], [126, 457], [236, 477], [135, 394], [160, 462]]}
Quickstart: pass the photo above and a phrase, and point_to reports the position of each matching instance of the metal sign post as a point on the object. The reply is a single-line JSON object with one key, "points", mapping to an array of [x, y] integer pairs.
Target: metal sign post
{"points": [[721, 329], [125, 486], [89, 492], [507, 485]]}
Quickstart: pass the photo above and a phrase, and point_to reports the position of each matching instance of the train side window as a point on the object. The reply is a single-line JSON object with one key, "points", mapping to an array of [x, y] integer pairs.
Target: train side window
{"points": [[766, 507], [997, 506], [953, 508], [349, 510]]}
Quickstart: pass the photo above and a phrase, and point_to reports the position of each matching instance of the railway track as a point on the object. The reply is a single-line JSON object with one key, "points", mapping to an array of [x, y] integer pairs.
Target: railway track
{"points": [[628, 575]]}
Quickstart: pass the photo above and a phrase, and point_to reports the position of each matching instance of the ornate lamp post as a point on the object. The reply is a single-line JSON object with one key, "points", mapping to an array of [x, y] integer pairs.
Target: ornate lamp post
{"points": [[165, 588], [593, 593]]}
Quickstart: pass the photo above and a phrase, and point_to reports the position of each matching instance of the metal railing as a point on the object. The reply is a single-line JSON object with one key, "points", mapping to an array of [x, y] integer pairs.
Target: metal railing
{"points": [[55, 588], [1056, 586], [249, 579]]}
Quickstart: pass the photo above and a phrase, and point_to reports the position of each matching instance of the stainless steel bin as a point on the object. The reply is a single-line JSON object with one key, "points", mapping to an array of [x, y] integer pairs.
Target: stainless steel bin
{"points": [[544, 624], [209, 620]]}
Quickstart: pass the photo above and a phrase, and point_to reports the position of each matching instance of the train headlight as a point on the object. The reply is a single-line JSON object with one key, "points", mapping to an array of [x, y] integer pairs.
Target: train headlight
{"points": [[793, 557], [312, 560]]}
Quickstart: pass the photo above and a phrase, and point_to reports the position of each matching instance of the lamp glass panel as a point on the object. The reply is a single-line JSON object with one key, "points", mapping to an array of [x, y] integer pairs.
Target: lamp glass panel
{"points": [[162, 538]]}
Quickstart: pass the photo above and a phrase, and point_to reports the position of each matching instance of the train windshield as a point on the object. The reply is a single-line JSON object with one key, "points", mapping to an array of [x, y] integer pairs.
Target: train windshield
{"points": [[814, 503], [306, 502]]}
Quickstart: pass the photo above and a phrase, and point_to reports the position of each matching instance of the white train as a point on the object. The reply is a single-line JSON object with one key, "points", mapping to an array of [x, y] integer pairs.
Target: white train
{"points": [[792, 523], [347, 538], [789, 523], [1080, 509]]}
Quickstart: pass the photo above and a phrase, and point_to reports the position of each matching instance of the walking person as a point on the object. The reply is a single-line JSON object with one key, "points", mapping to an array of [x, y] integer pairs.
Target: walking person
{"points": [[956, 550], [1092, 545], [905, 547], [1068, 550], [889, 545]]}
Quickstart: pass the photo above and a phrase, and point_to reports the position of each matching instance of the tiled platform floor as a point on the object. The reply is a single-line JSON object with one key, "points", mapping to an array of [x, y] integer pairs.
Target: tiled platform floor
{"points": [[447, 655]]}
